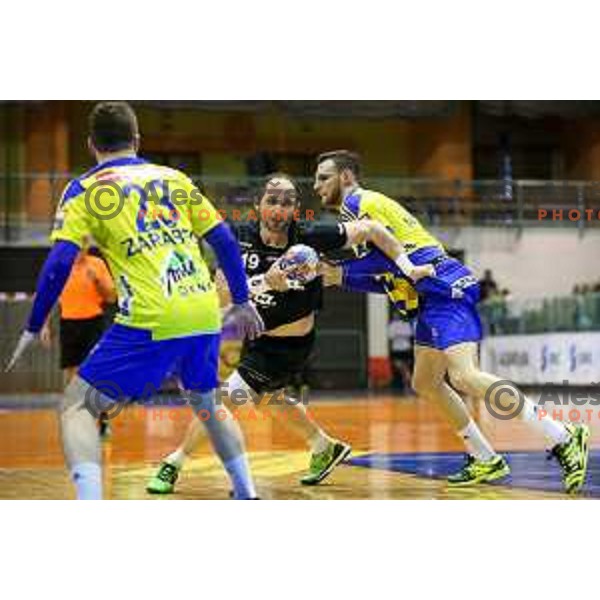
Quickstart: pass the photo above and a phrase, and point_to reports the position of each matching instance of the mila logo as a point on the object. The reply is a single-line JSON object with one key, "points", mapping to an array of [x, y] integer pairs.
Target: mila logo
{"points": [[178, 267]]}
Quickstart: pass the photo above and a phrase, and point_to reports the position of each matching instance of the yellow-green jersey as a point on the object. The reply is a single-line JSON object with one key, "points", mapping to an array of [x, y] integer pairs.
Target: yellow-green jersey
{"points": [[367, 204], [453, 281], [146, 219]]}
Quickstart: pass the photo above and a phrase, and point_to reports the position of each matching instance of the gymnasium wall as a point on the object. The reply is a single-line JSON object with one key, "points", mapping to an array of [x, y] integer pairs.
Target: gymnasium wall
{"points": [[537, 262], [435, 147]]}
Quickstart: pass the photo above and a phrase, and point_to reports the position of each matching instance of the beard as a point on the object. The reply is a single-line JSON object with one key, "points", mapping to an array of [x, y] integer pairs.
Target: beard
{"points": [[277, 225], [334, 199]]}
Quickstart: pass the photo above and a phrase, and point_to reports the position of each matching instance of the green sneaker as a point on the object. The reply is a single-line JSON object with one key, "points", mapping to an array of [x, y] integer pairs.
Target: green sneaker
{"points": [[480, 471], [163, 482], [323, 463], [573, 456]]}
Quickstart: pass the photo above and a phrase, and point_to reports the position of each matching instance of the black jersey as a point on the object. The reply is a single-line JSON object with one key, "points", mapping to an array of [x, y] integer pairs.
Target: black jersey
{"points": [[281, 308]]}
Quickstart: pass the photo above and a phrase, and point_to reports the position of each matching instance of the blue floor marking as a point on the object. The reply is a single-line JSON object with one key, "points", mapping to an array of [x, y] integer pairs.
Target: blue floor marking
{"points": [[529, 470]]}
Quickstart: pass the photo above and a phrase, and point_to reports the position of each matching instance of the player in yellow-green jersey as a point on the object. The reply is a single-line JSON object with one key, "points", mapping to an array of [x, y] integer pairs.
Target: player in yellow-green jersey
{"points": [[147, 220], [447, 328]]}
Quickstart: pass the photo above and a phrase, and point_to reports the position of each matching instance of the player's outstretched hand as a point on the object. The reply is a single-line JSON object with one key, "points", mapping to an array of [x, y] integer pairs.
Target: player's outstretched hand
{"points": [[27, 339], [421, 271], [246, 320]]}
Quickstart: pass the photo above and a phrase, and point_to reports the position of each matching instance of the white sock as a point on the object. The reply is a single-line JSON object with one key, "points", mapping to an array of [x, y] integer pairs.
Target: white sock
{"points": [[87, 478], [176, 458], [476, 443], [228, 442], [319, 442], [241, 479], [555, 431]]}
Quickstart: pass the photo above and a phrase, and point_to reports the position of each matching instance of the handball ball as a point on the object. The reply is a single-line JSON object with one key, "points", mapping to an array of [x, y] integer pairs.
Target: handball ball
{"points": [[300, 263]]}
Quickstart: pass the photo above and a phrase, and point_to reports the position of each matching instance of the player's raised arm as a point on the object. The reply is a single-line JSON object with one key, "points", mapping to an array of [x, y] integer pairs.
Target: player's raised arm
{"points": [[344, 276], [367, 230], [326, 237]]}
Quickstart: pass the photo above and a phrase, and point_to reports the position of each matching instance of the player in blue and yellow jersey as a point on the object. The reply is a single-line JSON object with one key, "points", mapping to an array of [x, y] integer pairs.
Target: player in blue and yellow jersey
{"points": [[146, 219], [447, 328]]}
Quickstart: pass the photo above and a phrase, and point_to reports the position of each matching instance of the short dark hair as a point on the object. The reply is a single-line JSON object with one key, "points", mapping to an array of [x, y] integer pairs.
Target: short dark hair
{"points": [[343, 159], [113, 126]]}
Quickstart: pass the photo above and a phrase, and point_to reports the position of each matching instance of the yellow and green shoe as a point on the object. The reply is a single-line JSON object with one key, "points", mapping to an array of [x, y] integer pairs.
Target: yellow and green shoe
{"points": [[573, 457], [480, 471], [163, 481], [322, 463]]}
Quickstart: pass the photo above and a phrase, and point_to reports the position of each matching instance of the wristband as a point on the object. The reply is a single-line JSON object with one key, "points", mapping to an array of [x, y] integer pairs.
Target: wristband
{"points": [[405, 264]]}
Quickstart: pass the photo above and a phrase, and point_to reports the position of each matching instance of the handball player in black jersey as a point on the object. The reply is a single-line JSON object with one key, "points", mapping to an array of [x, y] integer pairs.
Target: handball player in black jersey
{"points": [[269, 363]]}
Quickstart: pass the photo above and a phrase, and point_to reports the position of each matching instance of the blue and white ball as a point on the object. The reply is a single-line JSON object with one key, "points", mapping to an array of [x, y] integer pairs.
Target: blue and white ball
{"points": [[300, 264]]}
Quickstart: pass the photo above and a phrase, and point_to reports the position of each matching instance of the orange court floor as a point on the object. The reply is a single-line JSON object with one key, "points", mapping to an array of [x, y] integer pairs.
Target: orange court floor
{"points": [[402, 449]]}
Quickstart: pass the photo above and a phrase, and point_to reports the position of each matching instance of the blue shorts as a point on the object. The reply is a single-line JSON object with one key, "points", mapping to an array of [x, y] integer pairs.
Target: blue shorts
{"points": [[444, 322], [452, 278], [128, 363]]}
